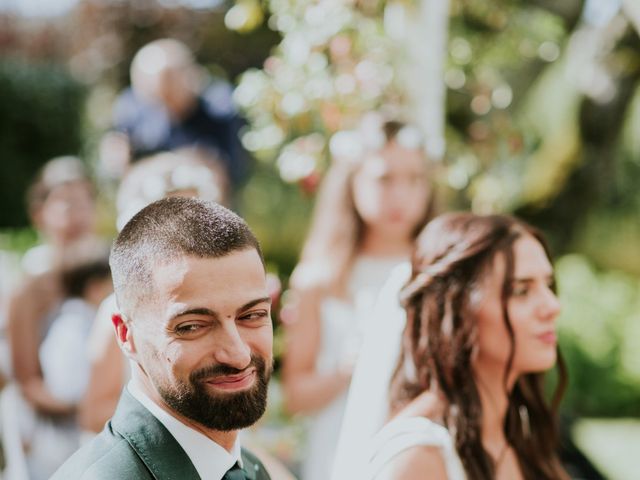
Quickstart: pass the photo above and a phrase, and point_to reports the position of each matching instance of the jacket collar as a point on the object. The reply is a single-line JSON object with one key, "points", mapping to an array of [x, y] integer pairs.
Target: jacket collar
{"points": [[156, 447]]}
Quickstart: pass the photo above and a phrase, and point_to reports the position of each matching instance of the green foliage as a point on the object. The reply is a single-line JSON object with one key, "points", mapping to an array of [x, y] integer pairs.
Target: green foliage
{"points": [[18, 241], [334, 64], [609, 237], [40, 117], [600, 338], [278, 214]]}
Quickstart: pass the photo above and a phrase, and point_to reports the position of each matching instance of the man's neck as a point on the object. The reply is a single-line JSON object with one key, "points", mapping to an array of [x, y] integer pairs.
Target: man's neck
{"points": [[226, 440]]}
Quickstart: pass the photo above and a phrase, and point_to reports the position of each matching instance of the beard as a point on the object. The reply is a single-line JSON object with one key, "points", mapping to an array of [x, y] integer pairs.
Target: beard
{"points": [[220, 411]]}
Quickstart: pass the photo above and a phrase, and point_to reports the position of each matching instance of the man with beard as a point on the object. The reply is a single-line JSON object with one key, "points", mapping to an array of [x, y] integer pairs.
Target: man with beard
{"points": [[195, 323]]}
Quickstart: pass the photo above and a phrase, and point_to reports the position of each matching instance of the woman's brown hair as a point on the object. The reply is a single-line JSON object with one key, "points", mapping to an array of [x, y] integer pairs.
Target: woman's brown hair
{"points": [[440, 341]]}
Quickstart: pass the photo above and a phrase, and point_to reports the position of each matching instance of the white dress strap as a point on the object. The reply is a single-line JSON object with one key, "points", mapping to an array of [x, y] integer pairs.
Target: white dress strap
{"points": [[406, 432]]}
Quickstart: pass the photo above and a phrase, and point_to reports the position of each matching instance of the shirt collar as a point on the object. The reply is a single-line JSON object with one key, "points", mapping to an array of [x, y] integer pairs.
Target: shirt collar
{"points": [[209, 459]]}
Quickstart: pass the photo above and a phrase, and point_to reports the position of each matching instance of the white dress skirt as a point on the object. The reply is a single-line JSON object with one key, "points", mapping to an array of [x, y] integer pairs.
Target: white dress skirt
{"points": [[343, 327]]}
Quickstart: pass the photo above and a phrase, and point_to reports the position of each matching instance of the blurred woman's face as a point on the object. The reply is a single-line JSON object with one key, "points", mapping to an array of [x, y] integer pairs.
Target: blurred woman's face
{"points": [[390, 190], [533, 308], [68, 213]]}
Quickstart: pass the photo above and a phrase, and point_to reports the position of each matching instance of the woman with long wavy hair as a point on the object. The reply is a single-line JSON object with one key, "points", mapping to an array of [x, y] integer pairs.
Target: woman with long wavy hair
{"points": [[467, 395]]}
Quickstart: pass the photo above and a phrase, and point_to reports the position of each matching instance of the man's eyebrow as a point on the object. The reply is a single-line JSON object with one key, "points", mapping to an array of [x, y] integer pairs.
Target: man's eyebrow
{"points": [[253, 303], [211, 313], [195, 311]]}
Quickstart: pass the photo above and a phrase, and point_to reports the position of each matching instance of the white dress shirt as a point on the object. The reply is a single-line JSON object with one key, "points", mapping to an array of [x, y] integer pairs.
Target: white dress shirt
{"points": [[210, 459]]}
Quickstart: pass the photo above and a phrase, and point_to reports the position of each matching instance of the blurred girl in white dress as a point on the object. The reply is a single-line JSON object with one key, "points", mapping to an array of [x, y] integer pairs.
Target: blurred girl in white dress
{"points": [[374, 200]]}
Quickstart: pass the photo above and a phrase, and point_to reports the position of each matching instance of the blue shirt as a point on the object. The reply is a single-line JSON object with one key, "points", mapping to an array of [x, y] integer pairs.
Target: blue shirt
{"points": [[213, 125]]}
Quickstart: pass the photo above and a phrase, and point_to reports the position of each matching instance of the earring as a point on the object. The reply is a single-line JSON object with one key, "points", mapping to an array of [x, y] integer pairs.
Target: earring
{"points": [[452, 420], [525, 424]]}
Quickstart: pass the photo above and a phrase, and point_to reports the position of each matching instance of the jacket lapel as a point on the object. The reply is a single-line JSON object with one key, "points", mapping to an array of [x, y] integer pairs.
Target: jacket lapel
{"points": [[253, 468], [156, 447]]}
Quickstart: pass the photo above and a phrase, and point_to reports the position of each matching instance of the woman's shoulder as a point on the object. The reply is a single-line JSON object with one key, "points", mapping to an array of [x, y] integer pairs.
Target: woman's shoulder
{"points": [[412, 463], [412, 440], [312, 278], [413, 429]]}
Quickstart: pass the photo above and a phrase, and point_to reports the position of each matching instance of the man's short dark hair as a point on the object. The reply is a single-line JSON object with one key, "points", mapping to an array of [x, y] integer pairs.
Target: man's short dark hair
{"points": [[166, 230]]}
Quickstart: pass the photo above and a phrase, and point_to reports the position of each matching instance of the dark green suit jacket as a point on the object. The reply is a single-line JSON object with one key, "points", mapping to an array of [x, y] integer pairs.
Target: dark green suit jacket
{"points": [[135, 445]]}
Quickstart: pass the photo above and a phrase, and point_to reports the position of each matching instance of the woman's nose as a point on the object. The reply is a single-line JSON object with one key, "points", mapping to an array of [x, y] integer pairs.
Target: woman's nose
{"points": [[549, 304]]}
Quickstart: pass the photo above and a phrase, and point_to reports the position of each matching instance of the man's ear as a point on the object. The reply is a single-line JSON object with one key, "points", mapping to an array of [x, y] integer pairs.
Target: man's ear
{"points": [[124, 335]]}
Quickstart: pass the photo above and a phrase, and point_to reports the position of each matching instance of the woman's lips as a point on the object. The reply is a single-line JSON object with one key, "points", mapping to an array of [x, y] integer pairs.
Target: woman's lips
{"points": [[550, 338], [240, 381], [396, 217]]}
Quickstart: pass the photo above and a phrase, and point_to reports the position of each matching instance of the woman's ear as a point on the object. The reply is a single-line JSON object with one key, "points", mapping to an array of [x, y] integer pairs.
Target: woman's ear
{"points": [[124, 335]]}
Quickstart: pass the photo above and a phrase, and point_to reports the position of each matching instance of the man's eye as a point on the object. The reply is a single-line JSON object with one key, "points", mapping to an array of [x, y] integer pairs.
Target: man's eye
{"points": [[188, 328], [253, 316]]}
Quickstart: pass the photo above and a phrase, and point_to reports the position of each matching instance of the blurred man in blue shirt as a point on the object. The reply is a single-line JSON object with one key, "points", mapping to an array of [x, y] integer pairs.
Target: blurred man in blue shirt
{"points": [[172, 103]]}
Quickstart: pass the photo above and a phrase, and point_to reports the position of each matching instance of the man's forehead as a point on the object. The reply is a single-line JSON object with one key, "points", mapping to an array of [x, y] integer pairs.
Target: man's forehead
{"points": [[170, 273], [166, 274], [169, 270]]}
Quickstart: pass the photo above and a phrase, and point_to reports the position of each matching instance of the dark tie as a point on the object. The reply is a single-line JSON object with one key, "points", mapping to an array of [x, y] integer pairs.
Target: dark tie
{"points": [[235, 473]]}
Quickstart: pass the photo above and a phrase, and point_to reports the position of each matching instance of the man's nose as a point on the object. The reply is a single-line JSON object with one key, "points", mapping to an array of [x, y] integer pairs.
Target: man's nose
{"points": [[231, 349]]}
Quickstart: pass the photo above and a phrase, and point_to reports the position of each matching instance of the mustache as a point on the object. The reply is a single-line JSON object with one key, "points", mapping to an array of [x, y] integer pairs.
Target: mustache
{"points": [[221, 369]]}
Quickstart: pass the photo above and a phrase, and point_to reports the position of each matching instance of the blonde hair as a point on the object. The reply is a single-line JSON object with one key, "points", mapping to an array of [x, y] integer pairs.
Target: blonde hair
{"points": [[337, 229], [168, 173]]}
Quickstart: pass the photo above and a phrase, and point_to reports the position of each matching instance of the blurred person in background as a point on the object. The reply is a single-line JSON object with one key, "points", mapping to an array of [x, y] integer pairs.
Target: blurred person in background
{"points": [[370, 208], [86, 281], [171, 104], [61, 202], [467, 397]]}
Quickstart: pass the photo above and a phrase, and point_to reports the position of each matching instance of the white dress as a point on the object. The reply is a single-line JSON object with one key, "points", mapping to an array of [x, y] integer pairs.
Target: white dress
{"points": [[343, 327], [63, 352], [65, 368], [368, 397], [403, 433]]}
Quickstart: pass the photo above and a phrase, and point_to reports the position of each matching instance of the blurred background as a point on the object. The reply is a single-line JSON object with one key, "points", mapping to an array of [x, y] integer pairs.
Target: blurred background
{"points": [[529, 107]]}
